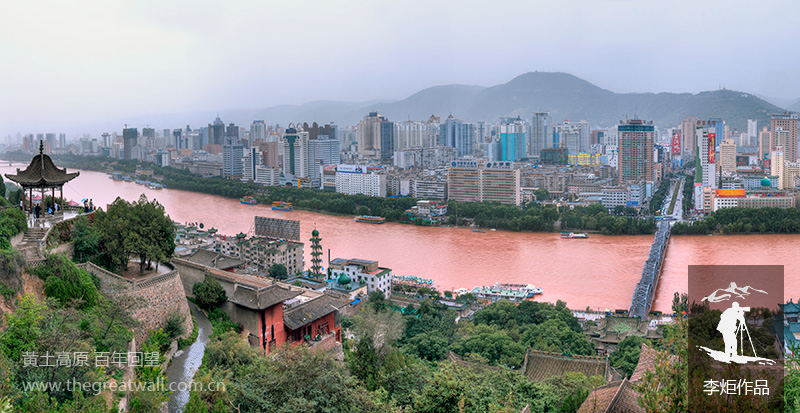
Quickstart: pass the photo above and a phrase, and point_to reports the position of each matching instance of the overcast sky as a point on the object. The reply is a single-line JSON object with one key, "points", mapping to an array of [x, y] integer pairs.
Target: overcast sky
{"points": [[64, 63]]}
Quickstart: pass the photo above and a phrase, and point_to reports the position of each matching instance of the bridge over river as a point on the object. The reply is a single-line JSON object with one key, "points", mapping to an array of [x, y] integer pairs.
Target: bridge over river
{"points": [[645, 291]]}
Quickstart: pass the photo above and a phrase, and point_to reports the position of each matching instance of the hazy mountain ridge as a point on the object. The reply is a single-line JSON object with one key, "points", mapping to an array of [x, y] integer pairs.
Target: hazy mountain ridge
{"points": [[565, 96]]}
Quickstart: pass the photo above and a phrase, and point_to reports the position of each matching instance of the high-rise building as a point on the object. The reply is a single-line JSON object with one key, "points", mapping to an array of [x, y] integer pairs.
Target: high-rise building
{"points": [[148, 132], [216, 132], [752, 132], [387, 139], [369, 135], [455, 133], [512, 139], [295, 152], [777, 165], [689, 141], [705, 165], [354, 179], [258, 130], [321, 151], [62, 140], [635, 151], [232, 154], [252, 159], [129, 138], [232, 132], [788, 122], [727, 156], [764, 143], [471, 181]]}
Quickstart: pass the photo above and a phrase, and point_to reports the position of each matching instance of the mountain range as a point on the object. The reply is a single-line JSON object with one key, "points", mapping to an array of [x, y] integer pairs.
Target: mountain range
{"points": [[565, 96]]}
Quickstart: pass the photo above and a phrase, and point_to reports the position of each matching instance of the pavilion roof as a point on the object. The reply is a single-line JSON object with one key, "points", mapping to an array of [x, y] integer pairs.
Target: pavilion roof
{"points": [[42, 173]]}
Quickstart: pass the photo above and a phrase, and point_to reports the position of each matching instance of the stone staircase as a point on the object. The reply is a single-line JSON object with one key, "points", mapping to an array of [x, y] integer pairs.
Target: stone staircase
{"points": [[29, 246]]}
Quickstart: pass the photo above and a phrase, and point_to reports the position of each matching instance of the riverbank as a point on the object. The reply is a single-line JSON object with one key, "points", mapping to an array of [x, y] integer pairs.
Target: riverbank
{"points": [[533, 217]]}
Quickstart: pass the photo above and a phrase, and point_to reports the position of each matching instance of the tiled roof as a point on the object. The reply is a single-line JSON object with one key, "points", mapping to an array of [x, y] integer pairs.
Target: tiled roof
{"points": [[616, 397], [261, 298], [42, 172], [297, 317], [214, 259], [647, 361], [790, 307], [540, 365]]}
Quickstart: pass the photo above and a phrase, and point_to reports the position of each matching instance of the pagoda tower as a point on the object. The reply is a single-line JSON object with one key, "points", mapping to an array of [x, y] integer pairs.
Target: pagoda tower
{"points": [[316, 255]]}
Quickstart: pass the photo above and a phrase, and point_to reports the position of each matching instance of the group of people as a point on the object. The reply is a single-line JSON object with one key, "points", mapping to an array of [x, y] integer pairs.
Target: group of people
{"points": [[37, 210], [88, 205]]}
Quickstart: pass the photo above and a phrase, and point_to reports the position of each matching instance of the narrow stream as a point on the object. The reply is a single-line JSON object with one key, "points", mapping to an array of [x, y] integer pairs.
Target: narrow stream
{"points": [[186, 362]]}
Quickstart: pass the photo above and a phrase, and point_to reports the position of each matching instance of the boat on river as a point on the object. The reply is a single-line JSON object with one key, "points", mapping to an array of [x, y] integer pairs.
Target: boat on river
{"points": [[282, 206], [249, 200], [574, 235], [369, 219], [504, 291]]}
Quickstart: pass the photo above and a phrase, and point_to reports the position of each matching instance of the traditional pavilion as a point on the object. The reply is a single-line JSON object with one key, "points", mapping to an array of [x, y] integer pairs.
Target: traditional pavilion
{"points": [[42, 174]]}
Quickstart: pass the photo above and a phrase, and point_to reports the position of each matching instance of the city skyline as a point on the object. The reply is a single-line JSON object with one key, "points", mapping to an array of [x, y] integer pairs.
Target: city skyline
{"points": [[101, 62]]}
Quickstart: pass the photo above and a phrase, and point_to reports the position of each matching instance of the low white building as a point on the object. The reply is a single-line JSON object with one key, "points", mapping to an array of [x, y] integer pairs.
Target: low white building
{"points": [[363, 272], [359, 182]]}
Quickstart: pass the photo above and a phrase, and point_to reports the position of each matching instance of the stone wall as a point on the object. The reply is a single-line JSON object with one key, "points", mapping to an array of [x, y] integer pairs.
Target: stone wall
{"points": [[160, 295]]}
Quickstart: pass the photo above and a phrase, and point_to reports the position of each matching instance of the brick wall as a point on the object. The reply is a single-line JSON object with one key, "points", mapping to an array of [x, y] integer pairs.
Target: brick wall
{"points": [[160, 294]]}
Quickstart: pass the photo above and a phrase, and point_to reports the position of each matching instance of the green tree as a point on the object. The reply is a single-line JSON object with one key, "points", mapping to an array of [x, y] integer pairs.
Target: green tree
{"points": [[209, 293], [278, 271], [66, 282], [86, 240], [680, 303], [173, 326], [626, 356], [666, 388], [542, 194]]}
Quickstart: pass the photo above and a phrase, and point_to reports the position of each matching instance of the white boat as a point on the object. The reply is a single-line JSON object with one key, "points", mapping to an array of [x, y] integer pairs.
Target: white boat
{"points": [[578, 235]]}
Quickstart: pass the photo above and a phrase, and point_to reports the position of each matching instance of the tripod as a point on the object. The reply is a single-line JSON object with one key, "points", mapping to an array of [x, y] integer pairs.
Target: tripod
{"points": [[741, 330]]}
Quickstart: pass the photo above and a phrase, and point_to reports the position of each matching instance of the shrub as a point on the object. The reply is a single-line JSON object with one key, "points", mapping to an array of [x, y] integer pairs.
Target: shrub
{"points": [[209, 293], [65, 282], [174, 324]]}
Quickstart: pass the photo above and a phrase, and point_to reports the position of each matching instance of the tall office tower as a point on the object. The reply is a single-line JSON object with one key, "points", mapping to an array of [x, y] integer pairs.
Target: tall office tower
{"points": [[321, 151], [788, 122], [387, 139], [512, 139], [752, 132], [177, 139], [727, 156], [250, 162], [295, 152], [764, 143], [705, 166], [369, 135], [106, 140], [148, 132], [258, 130], [689, 140], [272, 153], [777, 165], [216, 132], [51, 140], [781, 137], [457, 134], [232, 133], [62, 140], [635, 151], [129, 138], [719, 128], [232, 154]]}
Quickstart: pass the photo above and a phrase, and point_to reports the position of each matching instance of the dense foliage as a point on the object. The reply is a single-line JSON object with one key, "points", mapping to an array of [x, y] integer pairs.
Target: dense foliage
{"points": [[139, 229], [209, 293], [744, 220], [66, 283]]}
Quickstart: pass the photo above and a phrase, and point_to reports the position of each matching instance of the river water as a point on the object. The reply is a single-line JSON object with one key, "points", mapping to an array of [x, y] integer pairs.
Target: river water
{"points": [[185, 364], [599, 272]]}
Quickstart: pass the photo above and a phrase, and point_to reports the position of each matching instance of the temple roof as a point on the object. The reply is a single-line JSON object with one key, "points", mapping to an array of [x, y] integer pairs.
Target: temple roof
{"points": [[42, 173]]}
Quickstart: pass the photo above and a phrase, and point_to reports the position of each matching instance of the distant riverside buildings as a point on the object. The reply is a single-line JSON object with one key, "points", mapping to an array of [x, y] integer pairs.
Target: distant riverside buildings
{"points": [[635, 151], [232, 154], [295, 152], [471, 181], [457, 134], [786, 122], [354, 180], [512, 139], [130, 137], [541, 135], [375, 136]]}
